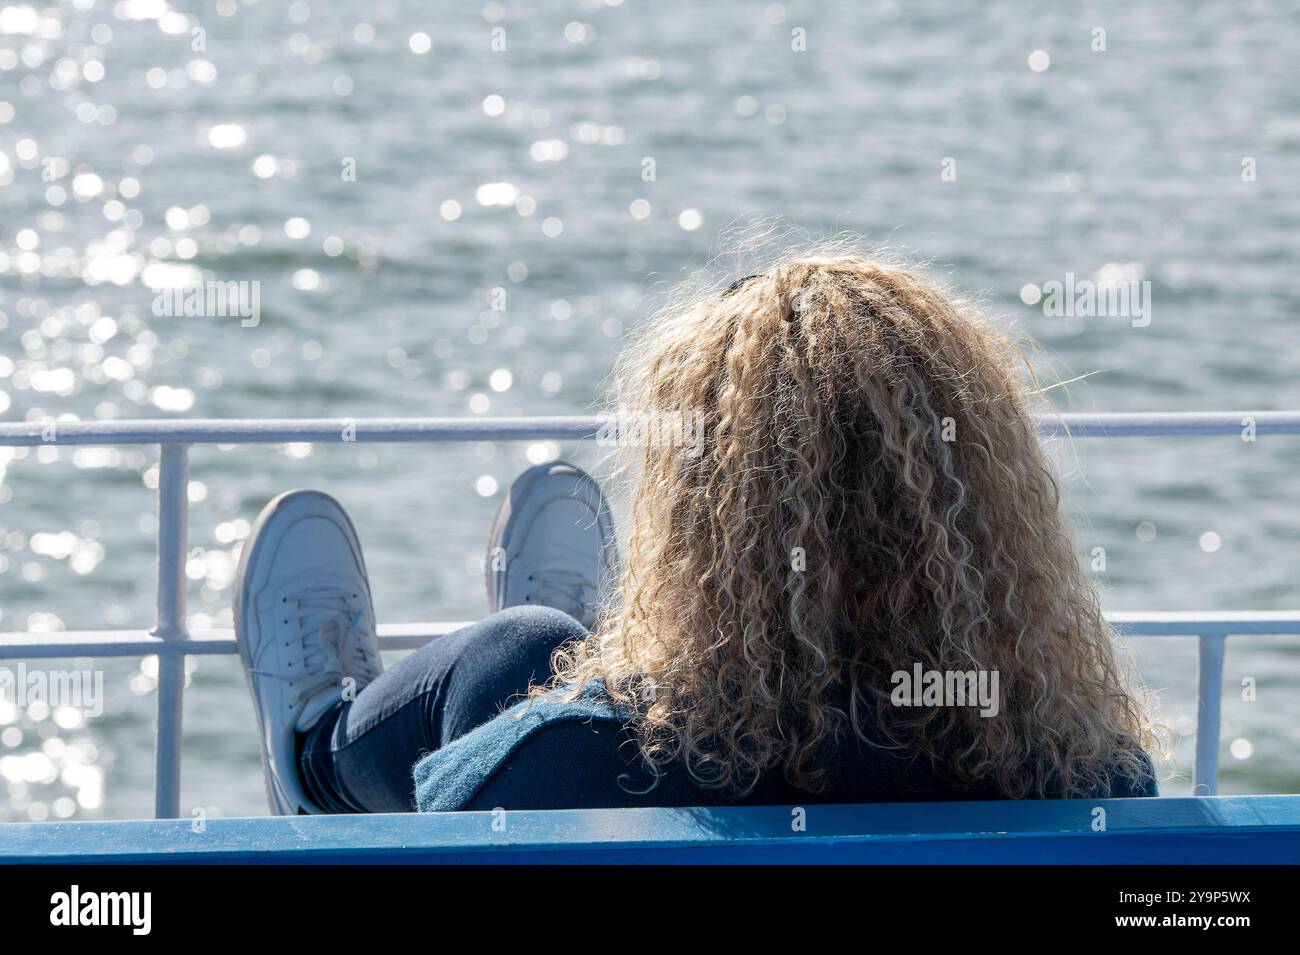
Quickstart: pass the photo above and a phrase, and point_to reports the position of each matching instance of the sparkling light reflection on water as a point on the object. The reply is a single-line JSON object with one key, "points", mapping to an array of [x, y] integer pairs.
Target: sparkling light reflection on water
{"points": [[381, 169]]}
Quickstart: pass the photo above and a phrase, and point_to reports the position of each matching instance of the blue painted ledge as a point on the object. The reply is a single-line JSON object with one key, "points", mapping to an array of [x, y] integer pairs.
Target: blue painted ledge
{"points": [[1226, 830]]}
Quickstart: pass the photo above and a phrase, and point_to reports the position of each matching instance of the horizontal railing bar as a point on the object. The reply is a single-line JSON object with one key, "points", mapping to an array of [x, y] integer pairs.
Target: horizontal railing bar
{"points": [[64, 644], [288, 430], [1183, 424], [560, 427], [1192, 624], [1231, 829]]}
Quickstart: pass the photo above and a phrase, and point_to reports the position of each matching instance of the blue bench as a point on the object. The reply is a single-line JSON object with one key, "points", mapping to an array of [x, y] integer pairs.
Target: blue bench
{"points": [[1208, 830]]}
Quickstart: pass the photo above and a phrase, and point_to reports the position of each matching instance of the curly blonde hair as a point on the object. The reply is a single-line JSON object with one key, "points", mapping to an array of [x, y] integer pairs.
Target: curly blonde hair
{"points": [[871, 494]]}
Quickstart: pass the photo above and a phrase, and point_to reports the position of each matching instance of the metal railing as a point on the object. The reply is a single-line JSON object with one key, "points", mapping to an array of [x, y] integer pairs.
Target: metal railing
{"points": [[171, 641]]}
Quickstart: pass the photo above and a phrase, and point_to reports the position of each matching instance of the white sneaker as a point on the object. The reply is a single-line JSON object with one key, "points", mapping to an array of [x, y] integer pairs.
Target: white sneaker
{"points": [[305, 628], [552, 544]]}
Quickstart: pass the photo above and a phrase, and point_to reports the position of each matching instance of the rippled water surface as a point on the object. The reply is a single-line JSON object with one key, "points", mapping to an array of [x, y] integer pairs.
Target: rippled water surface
{"points": [[380, 168]]}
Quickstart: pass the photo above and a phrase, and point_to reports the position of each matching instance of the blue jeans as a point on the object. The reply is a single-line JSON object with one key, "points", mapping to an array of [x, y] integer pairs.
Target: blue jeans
{"points": [[358, 757]]}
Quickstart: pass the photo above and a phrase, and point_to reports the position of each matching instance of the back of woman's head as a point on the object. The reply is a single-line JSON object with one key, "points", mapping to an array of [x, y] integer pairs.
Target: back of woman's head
{"points": [[868, 493]]}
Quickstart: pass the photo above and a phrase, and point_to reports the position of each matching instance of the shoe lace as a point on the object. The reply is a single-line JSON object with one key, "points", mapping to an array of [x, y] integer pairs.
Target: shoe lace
{"points": [[333, 641], [569, 585]]}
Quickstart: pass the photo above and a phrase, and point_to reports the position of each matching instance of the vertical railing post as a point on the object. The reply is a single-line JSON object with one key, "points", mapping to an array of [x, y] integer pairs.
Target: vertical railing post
{"points": [[1209, 704], [173, 526]]}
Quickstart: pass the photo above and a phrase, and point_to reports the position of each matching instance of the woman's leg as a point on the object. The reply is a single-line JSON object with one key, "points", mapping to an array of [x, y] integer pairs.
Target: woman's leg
{"points": [[358, 758], [340, 735], [551, 546]]}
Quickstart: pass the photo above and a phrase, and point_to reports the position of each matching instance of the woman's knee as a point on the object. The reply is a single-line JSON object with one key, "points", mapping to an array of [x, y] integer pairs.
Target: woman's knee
{"points": [[532, 625], [501, 658]]}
